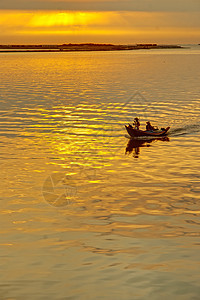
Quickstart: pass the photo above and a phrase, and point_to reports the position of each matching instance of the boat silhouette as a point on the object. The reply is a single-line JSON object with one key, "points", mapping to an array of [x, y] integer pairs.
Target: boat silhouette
{"points": [[154, 133]]}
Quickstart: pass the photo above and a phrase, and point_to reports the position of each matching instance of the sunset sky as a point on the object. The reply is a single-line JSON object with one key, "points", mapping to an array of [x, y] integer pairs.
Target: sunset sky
{"points": [[99, 21]]}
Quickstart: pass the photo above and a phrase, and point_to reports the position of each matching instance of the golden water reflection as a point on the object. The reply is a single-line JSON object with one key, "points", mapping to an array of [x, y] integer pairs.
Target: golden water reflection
{"points": [[87, 154], [77, 210]]}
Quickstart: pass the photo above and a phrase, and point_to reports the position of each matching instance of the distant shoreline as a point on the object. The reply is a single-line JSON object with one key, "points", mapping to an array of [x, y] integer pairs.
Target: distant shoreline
{"points": [[81, 47]]}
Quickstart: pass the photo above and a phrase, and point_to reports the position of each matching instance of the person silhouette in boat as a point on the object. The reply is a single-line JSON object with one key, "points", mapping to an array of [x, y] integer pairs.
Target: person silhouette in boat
{"points": [[136, 123], [149, 127]]}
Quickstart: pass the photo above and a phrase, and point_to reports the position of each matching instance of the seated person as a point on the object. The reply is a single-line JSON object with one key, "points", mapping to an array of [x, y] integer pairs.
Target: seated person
{"points": [[149, 126]]}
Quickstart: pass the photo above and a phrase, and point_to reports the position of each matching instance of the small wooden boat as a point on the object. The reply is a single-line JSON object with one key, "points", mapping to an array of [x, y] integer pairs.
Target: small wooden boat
{"points": [[137, 132]]}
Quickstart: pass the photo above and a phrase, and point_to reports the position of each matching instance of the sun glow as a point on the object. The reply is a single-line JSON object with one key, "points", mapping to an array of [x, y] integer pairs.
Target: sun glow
{"points": [[68, 19]]}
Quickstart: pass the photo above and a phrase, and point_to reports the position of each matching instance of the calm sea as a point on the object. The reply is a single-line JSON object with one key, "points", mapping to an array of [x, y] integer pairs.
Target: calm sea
{"points": [[85, 212]]}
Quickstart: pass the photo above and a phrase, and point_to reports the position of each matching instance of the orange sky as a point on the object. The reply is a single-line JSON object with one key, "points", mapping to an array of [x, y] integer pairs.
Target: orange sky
{"points": [[49, 26]]}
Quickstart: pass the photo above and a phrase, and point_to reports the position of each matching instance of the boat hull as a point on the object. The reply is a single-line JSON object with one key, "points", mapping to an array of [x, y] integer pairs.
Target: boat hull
{"points": [[137, 133]]}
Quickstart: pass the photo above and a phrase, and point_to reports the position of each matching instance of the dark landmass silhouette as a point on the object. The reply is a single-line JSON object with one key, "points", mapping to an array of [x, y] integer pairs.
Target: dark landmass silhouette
{"points": [[81, 47]]}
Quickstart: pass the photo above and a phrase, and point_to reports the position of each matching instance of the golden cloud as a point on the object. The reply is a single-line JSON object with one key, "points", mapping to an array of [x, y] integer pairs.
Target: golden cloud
{"points": [[51, 24]]}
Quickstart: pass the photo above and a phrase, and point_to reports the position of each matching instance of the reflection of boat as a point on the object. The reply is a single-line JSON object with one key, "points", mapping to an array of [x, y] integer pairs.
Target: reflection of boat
{"points": [[135, 144], [137, 132]]}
